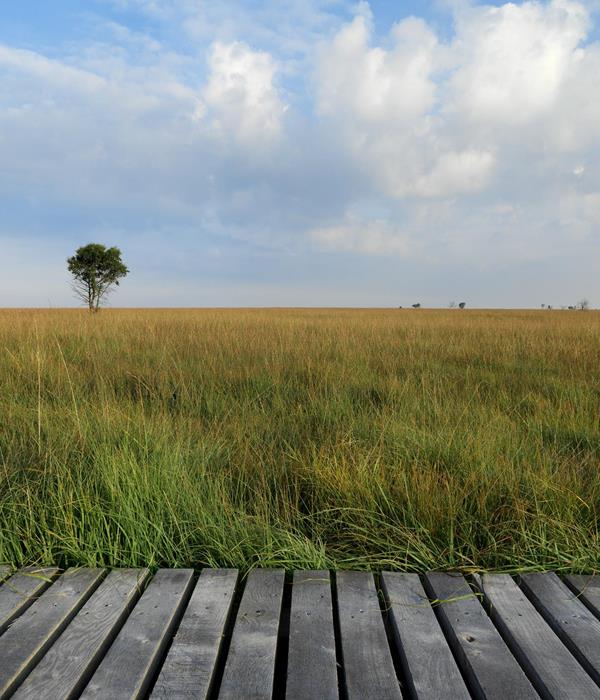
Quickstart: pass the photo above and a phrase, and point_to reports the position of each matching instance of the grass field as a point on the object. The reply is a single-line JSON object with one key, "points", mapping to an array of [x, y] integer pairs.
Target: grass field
{"points": [[300, 438]]}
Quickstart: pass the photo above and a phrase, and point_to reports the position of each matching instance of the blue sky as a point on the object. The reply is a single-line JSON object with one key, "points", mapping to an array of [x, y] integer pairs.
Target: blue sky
{"points": [[302, 152]]}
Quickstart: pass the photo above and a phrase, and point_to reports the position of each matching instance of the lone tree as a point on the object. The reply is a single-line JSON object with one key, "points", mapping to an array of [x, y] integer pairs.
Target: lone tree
{"points": [[462, 304], [95, 269]]}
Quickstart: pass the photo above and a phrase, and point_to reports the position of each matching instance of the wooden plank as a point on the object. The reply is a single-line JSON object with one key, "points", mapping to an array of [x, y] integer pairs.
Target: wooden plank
{"points": [[576, 626], [587, 589], [312, 668], [483, 656], [553, 670], [127, 669], [21, 590], [367, 661], [69, 663], [5, 572], [429, 667], [30, 635], [189, 668], [250, 668]]}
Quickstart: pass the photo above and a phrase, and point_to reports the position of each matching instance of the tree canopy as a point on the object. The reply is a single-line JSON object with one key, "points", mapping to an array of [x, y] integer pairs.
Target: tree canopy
{"points": [[95, 269]]}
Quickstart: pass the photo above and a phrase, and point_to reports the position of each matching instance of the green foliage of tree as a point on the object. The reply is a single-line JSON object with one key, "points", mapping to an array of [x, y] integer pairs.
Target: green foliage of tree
{"points": [[96, 269]]}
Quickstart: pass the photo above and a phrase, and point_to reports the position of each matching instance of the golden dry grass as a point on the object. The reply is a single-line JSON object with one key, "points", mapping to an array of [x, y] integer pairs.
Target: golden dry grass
{"points": [[303, 438]]}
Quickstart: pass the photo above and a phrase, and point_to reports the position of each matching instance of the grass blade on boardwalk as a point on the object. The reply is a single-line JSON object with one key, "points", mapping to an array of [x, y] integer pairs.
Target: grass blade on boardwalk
{"points": [[587, 589], [21, 590], [429, 667], [312, 668], [128, 667], [190, 664], [552, 668], [368, 667], [485, 659], [67, 666], [5, 572], [577, 627], [250, 668], [28, 638]]}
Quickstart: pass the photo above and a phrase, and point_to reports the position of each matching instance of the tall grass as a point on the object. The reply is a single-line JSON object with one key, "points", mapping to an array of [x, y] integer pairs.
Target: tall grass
{"points": [[300, 438]]}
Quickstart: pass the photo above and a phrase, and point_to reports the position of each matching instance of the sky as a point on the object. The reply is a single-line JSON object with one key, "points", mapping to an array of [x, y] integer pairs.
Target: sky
{"points": [[303, 152]]}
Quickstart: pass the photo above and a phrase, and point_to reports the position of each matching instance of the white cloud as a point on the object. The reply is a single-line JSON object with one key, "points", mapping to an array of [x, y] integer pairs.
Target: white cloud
{"points": [[373, 237], [366, 85], [513, 60], [57, 74], [580, 212], [464, 171], [384, 105], [242, 94], [477, 148]]}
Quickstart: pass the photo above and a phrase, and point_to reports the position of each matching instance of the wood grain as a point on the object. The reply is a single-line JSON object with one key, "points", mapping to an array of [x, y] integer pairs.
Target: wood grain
{"points": [[429, 667], [189, 667], [576, 626], [367, 661], [127, 669], [69, 663], [30, 635], [21, 590], [311, 670], [587, 589], [549, 664], [250, 668], [482, 654]]}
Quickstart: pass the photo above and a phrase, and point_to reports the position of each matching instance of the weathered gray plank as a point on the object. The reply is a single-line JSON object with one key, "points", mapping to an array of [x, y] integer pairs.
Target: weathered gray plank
{"points": [[128, 667], [576, 626], [312, 669], [30, 635], [552, 668], [429, 667], [587, 589], [21, 590], [367, 661], [250, 667], [5, 572], [190, 664], [491, 670], [69, 663]]}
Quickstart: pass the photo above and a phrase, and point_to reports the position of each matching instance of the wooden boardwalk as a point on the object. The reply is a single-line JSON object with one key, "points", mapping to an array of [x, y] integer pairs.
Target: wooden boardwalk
{"points": [[91, 633]]}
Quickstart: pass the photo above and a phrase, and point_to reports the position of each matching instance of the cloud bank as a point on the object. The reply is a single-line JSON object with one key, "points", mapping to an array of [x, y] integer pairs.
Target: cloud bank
{"points": [[464, 146]]}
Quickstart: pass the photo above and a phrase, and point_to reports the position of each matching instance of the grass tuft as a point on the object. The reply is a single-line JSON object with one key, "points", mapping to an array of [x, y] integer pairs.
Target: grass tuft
{"points": [[366, 439]]}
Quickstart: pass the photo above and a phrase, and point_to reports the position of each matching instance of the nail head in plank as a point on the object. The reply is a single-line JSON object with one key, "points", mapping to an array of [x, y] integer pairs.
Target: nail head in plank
{"points": [[250, 667], [576, 626], [28, 638], [69, 663], [21, 590], [312, 669], [485, 659], [587, 589], [129, 665], [368, 667], [552, 668], [428, 664], [189, 667]]}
